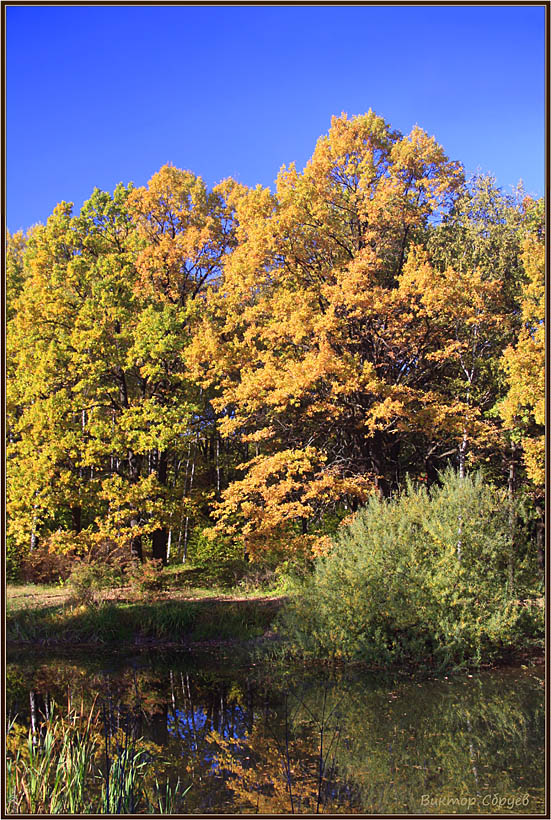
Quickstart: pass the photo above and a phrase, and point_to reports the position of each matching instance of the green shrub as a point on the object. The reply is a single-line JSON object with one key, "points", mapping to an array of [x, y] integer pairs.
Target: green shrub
{"points": [[88, 582], [13, 561], [425, 576], [264, 577], [205, 549]]}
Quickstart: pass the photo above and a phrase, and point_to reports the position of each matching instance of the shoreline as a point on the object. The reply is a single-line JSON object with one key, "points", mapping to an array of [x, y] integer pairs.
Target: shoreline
{"points": [[177, 621], [533, 657]]}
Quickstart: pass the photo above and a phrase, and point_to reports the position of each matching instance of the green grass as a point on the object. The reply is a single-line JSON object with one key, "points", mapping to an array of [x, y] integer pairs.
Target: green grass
{"points": [[236, 578], [23, 596], [197, 604], [231, 577], [164, 620]]}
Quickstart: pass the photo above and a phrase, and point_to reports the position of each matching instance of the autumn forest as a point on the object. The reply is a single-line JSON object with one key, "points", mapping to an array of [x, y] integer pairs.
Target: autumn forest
{"points": [[200, 374]]}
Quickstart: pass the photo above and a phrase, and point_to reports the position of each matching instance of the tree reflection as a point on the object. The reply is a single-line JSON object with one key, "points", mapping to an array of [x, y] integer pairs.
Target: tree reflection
{"points": [[293, 741]]}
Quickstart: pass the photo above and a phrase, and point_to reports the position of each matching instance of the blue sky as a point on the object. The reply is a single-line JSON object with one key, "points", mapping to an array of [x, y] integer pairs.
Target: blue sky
{"points": [[98, 95]]}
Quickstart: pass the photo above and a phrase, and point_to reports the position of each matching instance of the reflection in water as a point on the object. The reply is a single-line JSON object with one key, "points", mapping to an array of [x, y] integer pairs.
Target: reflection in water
{"points": [[298, 741]]}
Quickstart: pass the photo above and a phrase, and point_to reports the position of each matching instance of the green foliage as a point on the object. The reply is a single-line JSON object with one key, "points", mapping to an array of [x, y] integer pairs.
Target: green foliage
{"points": [[88, 582], [48, 774], [13, 561], [217, 561], [122, 789], [206, 549], [275, 578], [166, 801], [427, 576]]}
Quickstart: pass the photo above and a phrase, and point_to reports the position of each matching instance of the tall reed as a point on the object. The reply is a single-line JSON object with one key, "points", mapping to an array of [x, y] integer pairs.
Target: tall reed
{"points": [[54, 768], [50, 772]]}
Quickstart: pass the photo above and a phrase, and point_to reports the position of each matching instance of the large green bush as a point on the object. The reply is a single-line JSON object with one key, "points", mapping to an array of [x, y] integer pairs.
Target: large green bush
{"points": [[426, 576]]}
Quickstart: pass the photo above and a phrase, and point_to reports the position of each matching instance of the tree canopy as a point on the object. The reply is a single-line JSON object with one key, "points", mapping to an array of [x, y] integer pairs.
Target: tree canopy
{"points": [[251, 365]]}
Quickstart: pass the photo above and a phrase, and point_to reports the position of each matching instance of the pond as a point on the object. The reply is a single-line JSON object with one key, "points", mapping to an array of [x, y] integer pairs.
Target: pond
{"points": [[257, 738]]}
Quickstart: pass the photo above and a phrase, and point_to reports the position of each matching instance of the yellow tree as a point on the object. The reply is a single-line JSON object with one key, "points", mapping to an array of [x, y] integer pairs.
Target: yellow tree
{"points": [[321, 363], [524, 362], [185, 233], [523, 408], [64, 343], [103, 408]]}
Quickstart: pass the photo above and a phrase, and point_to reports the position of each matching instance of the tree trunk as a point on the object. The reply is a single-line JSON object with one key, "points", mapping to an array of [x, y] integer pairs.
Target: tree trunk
{"points": [[378, 464], [186, 527], [512, 514], [134, 465], [76, 518], [218, 472], [541, 552], [540, 532], [34, 536], [159, 542], [136, 550], [159, 537], [462, 455], [432, 472], [462, 474], [459, 538]]}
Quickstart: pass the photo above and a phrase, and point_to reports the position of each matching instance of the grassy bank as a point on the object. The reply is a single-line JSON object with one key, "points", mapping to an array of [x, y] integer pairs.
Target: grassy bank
{"points": [[47, 616]]}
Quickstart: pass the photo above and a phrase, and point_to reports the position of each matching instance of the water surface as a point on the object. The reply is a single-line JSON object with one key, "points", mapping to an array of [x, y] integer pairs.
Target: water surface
{"points": [[259, 738]]}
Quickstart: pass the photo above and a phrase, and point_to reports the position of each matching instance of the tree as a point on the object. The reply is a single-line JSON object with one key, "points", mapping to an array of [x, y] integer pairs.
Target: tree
{"points": [[522, 409], [15, 272], [63, 342], [106, 409], [180, 357], [319, 352], [481, 240]]}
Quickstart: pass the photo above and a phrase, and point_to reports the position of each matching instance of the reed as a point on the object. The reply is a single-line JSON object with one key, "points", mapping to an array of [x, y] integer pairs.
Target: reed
{"points": [[49, 772], [54, 768]]}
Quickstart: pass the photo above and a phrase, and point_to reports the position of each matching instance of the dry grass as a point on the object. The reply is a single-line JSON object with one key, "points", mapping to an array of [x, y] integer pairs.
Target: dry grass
{"points": [[26, 596], [34, 596]]}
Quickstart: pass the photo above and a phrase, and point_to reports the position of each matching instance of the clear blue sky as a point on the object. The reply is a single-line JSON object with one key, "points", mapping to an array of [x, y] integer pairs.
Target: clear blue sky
{"points": [[98, 95]]}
